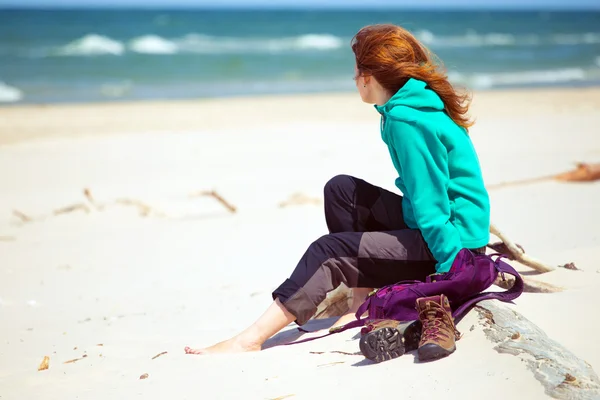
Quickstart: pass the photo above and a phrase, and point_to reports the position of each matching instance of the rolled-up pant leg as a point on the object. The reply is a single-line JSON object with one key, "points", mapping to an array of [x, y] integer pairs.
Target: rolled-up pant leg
{"points": [[357, 259]]}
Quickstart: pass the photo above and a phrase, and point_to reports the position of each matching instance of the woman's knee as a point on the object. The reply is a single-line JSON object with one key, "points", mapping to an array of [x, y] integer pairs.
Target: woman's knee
{"points": [[339, 184], [323, 247], [335, 245]]}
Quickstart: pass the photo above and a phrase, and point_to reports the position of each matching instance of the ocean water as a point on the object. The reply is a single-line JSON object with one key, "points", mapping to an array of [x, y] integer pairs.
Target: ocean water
{"points": [[112, 55]]}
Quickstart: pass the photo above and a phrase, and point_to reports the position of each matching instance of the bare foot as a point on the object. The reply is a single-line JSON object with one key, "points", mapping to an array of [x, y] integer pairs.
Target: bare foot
{"points": [[233, 345]]}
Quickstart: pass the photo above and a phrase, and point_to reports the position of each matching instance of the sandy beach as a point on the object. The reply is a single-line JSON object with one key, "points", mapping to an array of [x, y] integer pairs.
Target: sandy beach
{"points": [[147, 264]]}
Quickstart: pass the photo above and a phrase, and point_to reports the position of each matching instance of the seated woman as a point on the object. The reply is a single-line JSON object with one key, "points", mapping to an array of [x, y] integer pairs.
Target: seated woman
{"points": [[377, 237]]}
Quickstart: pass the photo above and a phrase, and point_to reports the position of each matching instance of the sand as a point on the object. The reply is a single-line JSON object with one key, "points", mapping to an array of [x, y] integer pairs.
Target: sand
{"points": [[120, 287]]}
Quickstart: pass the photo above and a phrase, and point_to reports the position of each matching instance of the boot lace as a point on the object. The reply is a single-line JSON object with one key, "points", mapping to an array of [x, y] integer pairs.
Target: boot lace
{"points": [[434, 318]]}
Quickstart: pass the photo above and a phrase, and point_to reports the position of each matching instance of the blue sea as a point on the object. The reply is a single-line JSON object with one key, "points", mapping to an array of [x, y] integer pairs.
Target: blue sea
{"points": [[114, 55]]}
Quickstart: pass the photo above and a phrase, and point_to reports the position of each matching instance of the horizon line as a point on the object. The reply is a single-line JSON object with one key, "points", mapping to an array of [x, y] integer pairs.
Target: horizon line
{"points": [[174, 7]]}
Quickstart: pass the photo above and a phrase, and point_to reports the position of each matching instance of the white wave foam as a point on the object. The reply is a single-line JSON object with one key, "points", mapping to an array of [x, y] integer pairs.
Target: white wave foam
{"points": [[487, 81], [471, 39], [152, 44], [474, 39], [9, 94], [196, 43], [575, 39], [91, 45], [320, 42]]}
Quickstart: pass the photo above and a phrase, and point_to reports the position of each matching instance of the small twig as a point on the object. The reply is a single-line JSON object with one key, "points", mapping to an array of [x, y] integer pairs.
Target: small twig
{"points": [[143, 208], [23, 217], [358, 353], [331, 363], [218, 197], [73, 360], [71, 208], [337, 352], [159, 354], [518, 254], [520, 182], [87, 193], [283, 397]]}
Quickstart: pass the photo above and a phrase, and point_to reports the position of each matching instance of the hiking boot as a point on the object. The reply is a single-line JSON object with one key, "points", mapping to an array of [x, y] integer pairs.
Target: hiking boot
{"points": [[386, 339], [439, 333]]}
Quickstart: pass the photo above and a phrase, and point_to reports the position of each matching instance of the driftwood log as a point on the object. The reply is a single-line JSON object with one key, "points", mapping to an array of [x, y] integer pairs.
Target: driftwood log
{"points": [[563, 375], [583, 172], [529, 285], [516, 252]]}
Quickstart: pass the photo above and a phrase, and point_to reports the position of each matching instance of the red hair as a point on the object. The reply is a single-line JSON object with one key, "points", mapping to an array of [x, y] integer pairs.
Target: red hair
{"points": [[392, 55]]}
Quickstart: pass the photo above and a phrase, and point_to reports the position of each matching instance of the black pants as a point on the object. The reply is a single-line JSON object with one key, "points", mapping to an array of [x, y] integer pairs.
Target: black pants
{"points": [[369, 245]]}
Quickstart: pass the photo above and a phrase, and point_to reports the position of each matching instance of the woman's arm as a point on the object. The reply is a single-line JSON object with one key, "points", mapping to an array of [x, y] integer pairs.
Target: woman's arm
{"points": [[423, 160]]}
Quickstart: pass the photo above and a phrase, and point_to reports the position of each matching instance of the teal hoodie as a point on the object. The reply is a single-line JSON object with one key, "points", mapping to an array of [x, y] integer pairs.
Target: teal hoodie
{"points": [[438, 173]]}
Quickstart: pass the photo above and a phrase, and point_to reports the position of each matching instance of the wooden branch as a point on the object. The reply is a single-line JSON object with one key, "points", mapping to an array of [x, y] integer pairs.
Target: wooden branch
{"points": [[300, 199], [218, 197], [143, 208], [159, 354], [584, 172], [518, 254], [87, 193], [563, 374], [501, 247], [529, 285], [71, 208], [520, 182], [23, 217]]}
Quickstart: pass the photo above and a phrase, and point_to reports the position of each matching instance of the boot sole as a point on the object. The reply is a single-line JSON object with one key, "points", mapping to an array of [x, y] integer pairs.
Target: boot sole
{"points": [[431, 351], [382, 344], [389, 343]]}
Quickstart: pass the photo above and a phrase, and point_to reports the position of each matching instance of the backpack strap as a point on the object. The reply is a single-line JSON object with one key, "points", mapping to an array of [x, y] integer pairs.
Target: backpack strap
{"points": [[358, 322], [352, 324], [506, 296]]}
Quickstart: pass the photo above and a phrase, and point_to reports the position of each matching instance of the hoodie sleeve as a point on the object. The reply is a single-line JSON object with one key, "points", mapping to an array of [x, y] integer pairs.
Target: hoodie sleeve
{"points": [[423, 160]]}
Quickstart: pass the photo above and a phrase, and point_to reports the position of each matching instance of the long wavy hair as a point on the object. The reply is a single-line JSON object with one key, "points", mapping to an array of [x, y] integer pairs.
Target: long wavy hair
{"points": [[392, 55]]}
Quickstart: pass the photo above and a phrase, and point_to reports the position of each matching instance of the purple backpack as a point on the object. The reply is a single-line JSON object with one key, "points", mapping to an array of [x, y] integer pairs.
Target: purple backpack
{"points": [[464, 286]]}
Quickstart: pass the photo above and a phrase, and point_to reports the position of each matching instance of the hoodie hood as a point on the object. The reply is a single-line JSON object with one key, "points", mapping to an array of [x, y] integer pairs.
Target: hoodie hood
{"points": [[414, 94]]}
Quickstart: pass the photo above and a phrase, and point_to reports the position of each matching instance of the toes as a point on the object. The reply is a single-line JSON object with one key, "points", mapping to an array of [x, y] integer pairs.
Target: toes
{"points": [[189, 350]]}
